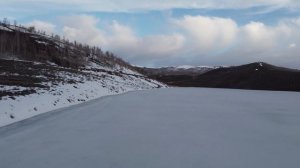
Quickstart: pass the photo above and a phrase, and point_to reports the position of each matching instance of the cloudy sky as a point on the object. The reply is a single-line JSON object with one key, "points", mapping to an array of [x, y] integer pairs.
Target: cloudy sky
{"points": [[173, 32]]}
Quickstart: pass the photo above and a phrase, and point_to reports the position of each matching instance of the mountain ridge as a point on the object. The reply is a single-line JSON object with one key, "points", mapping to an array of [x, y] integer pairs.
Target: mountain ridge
{"points": [[257, 76]]}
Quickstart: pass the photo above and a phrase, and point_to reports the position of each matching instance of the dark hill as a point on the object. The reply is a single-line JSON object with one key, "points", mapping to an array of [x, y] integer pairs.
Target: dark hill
{"points": [[258, 76]]}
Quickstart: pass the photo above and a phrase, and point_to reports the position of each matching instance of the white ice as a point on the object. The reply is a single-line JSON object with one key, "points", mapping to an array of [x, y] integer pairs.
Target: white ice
{"points": [[162, 128]]}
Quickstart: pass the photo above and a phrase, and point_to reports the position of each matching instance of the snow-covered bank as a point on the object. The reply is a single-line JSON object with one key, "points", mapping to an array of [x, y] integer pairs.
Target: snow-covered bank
{"points": [[72, 88], [162, 128]]}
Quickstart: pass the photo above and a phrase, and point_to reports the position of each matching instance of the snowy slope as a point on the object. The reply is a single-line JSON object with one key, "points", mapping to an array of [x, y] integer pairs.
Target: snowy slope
{"points": [[68, 88], [164, 128]]}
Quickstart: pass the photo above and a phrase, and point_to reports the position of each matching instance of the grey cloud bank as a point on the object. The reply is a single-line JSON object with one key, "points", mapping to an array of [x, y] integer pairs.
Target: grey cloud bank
{"points": [[133, 5]]}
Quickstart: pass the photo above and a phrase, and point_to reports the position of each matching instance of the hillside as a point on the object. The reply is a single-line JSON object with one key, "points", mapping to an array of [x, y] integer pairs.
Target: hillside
{"points": [[35, 45], [40, 73], [258, 76]]}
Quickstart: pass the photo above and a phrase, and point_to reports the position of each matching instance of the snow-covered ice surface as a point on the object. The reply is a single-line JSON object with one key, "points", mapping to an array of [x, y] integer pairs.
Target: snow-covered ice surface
{"points": [[162, 128]]}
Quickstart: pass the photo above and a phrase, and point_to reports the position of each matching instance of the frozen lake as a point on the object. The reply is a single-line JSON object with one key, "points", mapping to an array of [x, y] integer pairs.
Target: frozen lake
{"points": [[164, 128]]}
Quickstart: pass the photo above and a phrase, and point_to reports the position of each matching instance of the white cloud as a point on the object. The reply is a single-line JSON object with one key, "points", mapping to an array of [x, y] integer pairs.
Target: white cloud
{"points": [[120, 39], [83, 28], [192, 40], [44, 26], [123, 41], [292, 45], [256, 36], [208, 33], [222, 41]]}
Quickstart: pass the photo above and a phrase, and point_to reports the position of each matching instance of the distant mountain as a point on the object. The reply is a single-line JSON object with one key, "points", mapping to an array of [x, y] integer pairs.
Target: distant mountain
{"points": [[258, 76], [176, 70]]}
